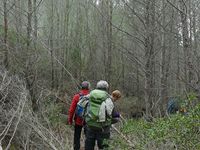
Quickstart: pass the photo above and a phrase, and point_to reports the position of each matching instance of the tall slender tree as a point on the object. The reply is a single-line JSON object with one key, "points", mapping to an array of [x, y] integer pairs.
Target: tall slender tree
{"points": [[6, 61], [149, 55]]}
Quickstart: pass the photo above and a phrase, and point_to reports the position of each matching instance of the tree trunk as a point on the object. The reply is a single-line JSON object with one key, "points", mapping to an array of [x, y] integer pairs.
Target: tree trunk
{"points": [[35, 29], [57, 52], [109, 40], [149, 55], [29, 25], [65, 50], [18, 25], [186, 43], [5, 34], [106, 9], [30, 76], [51, 43]]}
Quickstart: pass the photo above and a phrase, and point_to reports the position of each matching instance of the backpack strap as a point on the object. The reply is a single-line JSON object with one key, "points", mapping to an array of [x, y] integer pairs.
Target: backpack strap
{"points": [[80, 95]]}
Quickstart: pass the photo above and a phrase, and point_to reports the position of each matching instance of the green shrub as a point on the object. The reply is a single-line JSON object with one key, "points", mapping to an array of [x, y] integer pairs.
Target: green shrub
{"points": [[177, 131]]}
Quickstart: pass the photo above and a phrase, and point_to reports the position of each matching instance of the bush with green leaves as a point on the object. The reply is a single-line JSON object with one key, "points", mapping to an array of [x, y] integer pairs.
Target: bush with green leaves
{"points": [[173, 132]]}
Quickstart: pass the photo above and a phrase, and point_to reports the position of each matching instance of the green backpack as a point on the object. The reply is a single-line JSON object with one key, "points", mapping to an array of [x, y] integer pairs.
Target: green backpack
{"points": [[97, 97]]}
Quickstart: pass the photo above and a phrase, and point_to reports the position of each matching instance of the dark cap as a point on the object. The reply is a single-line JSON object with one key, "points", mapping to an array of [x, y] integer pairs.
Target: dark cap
{"points": [[85, 85]]}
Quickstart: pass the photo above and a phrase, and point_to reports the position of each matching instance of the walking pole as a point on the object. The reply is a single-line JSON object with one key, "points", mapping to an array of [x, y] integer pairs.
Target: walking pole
{"points": [[124, 137]]}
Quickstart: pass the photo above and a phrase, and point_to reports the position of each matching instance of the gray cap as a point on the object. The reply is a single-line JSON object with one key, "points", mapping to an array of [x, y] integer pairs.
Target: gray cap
{"points": [[85, 85], [102, 85]]}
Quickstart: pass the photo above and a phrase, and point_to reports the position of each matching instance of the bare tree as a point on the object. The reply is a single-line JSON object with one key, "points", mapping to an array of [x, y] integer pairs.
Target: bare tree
{"points": [[35, 28], [186, 42], [51, 43], [30, 73], [6, 61], [149, 54]]}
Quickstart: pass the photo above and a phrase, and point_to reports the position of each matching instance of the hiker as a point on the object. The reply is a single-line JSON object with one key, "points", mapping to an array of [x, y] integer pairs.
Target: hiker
{"points": [[79, 122], [172, 106], [99, 117], [183, 111], [115, 96]]}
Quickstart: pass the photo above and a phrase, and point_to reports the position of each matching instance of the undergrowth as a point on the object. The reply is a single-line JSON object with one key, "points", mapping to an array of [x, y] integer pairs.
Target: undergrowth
{"points": [[176, 131]]}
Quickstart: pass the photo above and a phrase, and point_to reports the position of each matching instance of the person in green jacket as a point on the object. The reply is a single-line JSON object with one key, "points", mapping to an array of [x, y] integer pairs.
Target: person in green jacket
{"points": [[99, 117]]}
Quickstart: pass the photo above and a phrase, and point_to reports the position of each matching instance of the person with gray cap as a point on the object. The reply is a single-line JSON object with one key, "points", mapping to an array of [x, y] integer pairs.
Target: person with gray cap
{"points": [[79, 122], [99, 117]]}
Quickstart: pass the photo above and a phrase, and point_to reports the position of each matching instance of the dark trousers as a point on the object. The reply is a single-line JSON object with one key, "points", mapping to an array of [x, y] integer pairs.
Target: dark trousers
{"points": [[77, 136], [93, 135]]}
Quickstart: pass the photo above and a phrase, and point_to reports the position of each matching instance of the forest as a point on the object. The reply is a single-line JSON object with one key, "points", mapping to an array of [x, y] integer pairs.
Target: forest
{"points": [[147, 49]]}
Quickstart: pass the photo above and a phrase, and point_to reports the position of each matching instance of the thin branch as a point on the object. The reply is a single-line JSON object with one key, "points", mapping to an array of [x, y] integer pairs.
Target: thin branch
{"points": [[132, 9], [168, 1]]}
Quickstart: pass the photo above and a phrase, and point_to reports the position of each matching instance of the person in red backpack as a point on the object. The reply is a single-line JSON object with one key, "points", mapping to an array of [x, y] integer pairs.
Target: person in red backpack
{"points": [[79, 122]]}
